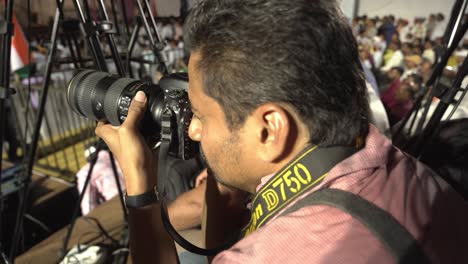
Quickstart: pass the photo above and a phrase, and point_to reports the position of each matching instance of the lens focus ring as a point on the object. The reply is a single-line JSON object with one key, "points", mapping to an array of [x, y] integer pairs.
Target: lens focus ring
{"points": [[84, 96], [73, 89], [111, 101]]}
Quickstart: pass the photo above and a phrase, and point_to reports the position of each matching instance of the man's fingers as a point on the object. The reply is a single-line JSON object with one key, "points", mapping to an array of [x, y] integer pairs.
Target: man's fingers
{"points": [[136, 110]]}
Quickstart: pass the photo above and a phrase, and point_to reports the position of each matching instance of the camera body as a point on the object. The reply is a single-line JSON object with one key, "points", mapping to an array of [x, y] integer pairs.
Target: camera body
{"points": [[105, 97], [175, 87]]}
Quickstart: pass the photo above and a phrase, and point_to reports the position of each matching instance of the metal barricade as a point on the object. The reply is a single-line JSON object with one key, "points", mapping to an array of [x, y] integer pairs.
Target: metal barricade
{"points": [[64, 134]]}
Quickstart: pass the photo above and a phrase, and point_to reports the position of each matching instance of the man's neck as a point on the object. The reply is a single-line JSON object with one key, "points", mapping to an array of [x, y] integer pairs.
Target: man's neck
{"points": [[275, 167]]}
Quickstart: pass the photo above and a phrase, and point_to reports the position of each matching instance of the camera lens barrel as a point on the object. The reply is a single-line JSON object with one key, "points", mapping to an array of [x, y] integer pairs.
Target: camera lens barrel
{"points": [[74, 95], [102, 96], [105, 97]]}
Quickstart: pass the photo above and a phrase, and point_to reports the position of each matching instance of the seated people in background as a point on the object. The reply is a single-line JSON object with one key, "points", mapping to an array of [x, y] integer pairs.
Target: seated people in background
{"points": [[460, 56], [185, 191], [418, 42], [425, 69], [404, 30], [388, 28], [460, 112], [368, 66], [379, 48], [366, 57], [411, 65], [439, 28], [429, 52], [418, 50], [388, 95], [396, 59], [419, 28], [262, 100], [407, 48], [187, 209], [431, 22], [404, 98]]}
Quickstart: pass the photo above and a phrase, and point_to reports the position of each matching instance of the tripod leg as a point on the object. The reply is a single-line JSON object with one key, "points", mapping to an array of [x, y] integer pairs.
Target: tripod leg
{"points": [[125, 17], [77, 208], [111, 42], [4, 92], [131, 46]]}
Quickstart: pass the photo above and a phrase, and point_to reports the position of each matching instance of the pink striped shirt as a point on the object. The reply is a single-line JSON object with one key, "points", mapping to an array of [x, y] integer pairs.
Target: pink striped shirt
{"points": [[431, 211]]}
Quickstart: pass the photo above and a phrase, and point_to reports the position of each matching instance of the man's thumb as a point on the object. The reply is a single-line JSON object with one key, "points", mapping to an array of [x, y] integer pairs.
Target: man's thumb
{"points": [[136, 110]]}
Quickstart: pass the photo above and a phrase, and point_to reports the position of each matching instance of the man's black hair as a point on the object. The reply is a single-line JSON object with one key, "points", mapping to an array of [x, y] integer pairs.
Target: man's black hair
{"points": [[297, 52]]}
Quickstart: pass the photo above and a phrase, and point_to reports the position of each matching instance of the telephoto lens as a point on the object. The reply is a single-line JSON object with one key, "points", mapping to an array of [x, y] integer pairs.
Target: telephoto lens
{"points": [[104, 97]]}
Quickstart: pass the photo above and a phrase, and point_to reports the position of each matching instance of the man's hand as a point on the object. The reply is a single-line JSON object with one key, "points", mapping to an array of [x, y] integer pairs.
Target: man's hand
{"points": [[201, 177], [149, 242], [136, 159], [224, 212]]}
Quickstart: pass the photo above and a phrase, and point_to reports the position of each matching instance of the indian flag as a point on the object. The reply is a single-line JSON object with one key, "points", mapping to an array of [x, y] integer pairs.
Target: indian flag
{"points": [[19, 48]]}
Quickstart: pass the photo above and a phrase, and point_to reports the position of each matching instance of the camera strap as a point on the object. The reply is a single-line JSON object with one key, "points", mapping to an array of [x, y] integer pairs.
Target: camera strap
{"points": [[166, 137], [304, 172]]}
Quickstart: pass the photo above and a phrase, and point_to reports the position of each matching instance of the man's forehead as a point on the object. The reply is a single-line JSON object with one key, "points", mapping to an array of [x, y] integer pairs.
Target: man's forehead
{"points": [[193, 71], [199, 100], [194, 76]]}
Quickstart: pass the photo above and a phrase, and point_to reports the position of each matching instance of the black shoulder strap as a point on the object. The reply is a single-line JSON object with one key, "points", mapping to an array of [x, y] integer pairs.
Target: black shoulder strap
{"points": [[383, 225]]}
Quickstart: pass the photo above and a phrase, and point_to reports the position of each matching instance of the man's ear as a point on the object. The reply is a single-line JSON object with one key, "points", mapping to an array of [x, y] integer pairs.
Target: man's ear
{"points": [[274, 128]]}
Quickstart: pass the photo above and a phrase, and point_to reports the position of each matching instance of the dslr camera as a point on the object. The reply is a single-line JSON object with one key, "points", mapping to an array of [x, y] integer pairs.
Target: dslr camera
{"points": [[105, 97]]}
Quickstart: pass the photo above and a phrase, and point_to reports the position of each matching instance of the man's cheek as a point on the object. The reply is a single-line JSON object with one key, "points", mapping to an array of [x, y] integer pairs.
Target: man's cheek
{"points": [[203, 156]]}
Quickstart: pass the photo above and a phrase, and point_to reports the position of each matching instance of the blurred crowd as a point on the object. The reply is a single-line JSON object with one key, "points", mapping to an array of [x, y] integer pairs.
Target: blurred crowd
{"points": [[171, 33], [398, 56]]}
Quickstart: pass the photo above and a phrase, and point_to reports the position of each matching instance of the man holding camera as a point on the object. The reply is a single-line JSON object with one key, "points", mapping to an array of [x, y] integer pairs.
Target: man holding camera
{"points": [[280, 111]]}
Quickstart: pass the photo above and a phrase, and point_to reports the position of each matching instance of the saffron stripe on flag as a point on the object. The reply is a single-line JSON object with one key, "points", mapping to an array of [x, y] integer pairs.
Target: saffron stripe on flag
{"points": [[19, 48]]}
